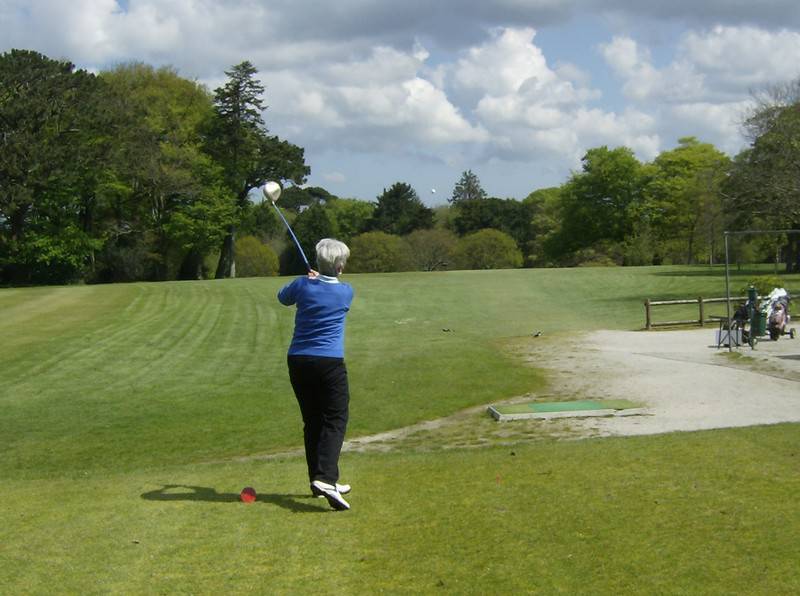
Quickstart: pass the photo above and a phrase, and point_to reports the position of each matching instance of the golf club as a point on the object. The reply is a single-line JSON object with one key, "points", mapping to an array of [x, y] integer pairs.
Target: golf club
{"points": [[272, 190]]}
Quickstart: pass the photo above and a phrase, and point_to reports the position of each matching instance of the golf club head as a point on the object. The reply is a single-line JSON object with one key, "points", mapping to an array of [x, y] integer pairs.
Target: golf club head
{"points": [[272, 190]]}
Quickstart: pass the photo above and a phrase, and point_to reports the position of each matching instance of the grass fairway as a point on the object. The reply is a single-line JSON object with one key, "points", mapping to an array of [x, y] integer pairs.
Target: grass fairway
{"points": [[116, 398], [712, 512]]}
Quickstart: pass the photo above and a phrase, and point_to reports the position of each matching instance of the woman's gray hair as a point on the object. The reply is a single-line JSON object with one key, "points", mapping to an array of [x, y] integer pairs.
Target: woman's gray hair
{"points": [[331, 256]]}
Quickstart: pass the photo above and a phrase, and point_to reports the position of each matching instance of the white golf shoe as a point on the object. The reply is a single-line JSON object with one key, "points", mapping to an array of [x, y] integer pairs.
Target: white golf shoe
{"points": [[331, 493], [342, 488]]}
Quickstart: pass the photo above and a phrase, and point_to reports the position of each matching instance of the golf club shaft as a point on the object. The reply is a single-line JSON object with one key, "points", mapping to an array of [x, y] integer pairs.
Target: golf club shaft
{"points": [[291, 233]]}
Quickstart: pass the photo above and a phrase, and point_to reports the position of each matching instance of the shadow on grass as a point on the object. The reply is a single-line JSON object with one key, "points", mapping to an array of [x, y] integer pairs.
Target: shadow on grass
{"points": [[790, 357], [168, 492]]}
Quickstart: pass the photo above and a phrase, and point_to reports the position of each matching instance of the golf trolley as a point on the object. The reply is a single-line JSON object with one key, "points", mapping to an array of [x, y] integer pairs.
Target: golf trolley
{"points": [[755, 319], [775, 310], [758, 324]]}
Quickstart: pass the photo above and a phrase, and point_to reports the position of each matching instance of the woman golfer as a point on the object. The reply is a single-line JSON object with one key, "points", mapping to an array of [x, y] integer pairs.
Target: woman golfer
{"points": [[316, 366]]}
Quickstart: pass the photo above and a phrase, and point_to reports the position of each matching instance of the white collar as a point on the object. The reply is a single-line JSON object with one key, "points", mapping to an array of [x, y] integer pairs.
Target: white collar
{"points": [[328, 279]]}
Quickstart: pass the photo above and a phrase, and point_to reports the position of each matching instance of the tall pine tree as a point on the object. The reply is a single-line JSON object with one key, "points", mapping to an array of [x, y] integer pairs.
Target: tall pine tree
{"points": [[467, 188], [239, 141]]}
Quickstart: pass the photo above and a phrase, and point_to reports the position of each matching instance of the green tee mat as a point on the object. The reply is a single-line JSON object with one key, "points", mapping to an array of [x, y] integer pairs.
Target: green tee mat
{"points": [[563, 409]]}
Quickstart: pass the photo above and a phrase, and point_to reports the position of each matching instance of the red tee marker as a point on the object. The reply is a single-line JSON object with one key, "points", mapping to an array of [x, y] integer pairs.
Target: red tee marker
{"points": [[248, 495]]}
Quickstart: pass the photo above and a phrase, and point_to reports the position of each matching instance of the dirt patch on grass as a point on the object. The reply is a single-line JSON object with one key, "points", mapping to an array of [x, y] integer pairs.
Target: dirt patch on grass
{"points": [[681, 378], [465, 429]]}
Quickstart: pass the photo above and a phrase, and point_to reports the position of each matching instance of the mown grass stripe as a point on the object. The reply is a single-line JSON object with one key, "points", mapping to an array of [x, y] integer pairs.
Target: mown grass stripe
{"points": [[123, 364], [82, 459]]}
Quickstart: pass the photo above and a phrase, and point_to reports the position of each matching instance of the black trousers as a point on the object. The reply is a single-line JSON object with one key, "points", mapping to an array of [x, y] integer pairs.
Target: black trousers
{"points": [[321, 388]]}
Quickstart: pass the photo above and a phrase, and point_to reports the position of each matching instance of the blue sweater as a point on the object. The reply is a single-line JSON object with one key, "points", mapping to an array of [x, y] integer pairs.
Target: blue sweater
{"points": [[322, 305]]}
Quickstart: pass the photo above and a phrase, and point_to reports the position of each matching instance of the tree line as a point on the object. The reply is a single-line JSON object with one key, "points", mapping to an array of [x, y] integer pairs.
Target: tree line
{"points": [[136, 173], [133, 173]]}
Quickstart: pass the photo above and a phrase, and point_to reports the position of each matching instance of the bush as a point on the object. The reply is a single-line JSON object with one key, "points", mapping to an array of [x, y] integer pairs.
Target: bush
{"points": [[763, 284], [121, 261], [375, 252], [639, 248], [254, 258], [602, 254], [45, 258], [310, 226], [351, 217], [488, 249], [589, 258], [432, 249]]}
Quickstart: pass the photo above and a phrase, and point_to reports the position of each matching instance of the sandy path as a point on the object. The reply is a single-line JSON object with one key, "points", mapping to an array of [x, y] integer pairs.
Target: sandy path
{"points": [[682, 379]]}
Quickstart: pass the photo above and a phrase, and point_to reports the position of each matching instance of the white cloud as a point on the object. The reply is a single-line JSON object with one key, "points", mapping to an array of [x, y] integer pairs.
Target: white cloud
{"points": [[383, 97], [723, 63], [201, 37], [632, 128], [624, 56], [533, 112], [511, 64], [572, 72], [719, 122], [383, 66], [705, 89], [313, 104], [421, 54], [429, 107], [505, 64], [742, 57], [643, 81]]}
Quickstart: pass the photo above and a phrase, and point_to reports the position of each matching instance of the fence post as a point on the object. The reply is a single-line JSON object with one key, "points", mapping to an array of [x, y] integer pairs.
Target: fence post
{"points": [[702, 318], [647, 324]]}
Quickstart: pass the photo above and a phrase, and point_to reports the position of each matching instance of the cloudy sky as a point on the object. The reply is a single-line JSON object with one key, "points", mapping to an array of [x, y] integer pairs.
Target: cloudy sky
{"points": [[419, 91]]}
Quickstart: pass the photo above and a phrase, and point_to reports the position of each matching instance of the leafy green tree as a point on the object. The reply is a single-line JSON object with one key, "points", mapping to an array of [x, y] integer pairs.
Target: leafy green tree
{"points": [[599, 204], [44, 126], [542, 208], [376, 252], [168, 193], [443, 217], [472, 215], [261, 221], [254, 258], [432, 250], [238, 141], [400, 211], [468, 188], [640, 248], [507, 215], [488, 249], [681, 199], [352, 217], [310, 226], [764, 178], [295, 197]]}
